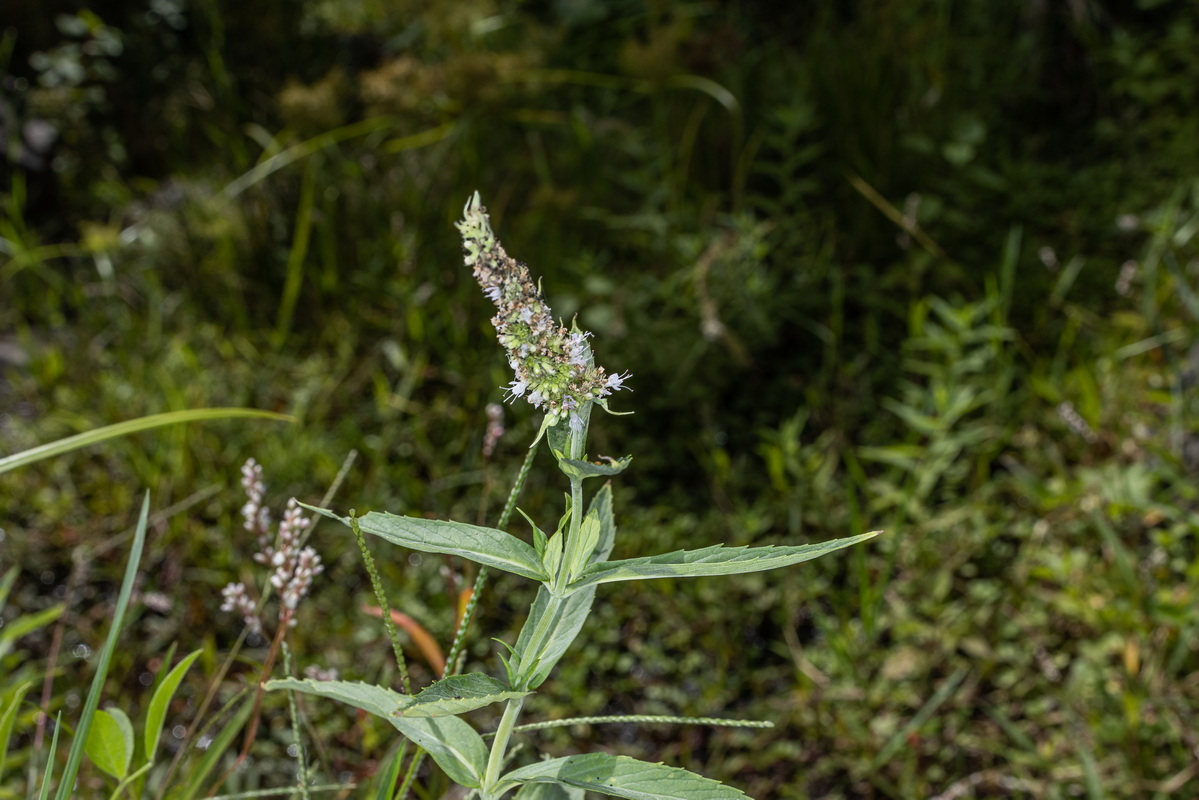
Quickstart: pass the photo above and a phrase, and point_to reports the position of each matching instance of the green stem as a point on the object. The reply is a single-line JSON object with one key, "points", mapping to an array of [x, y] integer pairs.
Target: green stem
{"points": [[499, 747], [570, 554]]}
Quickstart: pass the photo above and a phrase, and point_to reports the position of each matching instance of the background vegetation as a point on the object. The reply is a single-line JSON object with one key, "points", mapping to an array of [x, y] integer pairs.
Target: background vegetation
{"points": [[923, 266]]}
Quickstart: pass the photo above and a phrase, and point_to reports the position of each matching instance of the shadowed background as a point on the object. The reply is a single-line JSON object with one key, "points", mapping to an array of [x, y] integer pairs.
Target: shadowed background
{"points": [[921, 266]]}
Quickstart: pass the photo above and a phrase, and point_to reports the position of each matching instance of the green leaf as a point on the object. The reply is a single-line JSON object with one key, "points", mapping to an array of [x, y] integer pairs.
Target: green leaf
{"points": [[44, 794], [551, 627], [715, 560], [130, 426], [157, 713], [110, 742], [458, 694], [588, 469], [452, 743], [536, 661], [7, 720], [621, 776], [549, 791], [216, 753], [6, 584], [487, 546], [601, 507], [27, 624], [75, 754]]}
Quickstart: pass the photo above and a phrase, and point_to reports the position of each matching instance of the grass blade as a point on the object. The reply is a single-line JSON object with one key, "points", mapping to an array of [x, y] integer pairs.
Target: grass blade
{"points": [[75, 756], [70, 443]]}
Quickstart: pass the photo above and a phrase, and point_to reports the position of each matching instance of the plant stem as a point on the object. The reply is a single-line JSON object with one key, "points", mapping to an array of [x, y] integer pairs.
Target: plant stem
{"points": [[499, 746]]}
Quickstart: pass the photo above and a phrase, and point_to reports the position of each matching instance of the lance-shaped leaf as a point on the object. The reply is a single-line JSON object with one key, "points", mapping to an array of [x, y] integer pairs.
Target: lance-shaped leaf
{"points": [[458, 694], [157, 713], [715, 560], [621, 776], [452, 743], [549, 791], [487, 546], [588, 469], [537, 659]]}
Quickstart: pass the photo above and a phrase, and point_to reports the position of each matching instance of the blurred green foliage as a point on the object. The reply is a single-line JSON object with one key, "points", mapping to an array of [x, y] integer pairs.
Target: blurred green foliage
{"points": [[925, 266]]}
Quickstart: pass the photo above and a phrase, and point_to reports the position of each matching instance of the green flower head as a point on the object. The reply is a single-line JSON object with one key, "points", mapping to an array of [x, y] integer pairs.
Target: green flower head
{"points": [[555, 370]]}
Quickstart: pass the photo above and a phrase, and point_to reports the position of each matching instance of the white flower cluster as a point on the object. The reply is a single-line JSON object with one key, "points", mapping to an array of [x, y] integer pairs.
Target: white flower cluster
{"points": [[238, 599], [292, 567], [554, 366]]}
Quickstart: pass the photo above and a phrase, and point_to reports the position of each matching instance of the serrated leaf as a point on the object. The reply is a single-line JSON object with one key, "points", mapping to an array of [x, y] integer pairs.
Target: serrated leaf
{"points": [[110, 742], [452, 743], [157, 713], [588, 469], [715, 560], [570, 613], [566, 616], [621, 776], [458, 694], [487, 546]]}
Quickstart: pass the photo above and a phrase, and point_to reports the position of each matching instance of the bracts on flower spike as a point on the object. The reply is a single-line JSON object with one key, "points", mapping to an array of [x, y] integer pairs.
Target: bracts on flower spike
{"points": [[555, 369]]}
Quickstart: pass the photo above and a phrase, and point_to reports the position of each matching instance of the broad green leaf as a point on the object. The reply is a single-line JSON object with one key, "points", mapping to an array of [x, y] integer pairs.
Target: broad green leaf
{"points": [[7, 719], [715, 560], [458, 694], [549, 791], [130, 426], [110, 742], [621, 776], [588, 469], [157, 713], [487, 546], [452, 743], [75, 754], [27, 624], [536, 661]]}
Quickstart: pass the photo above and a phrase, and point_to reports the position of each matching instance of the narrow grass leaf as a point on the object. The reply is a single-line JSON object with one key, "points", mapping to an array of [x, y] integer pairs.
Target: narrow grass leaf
{"points": [[388, 776], [27, 624], [44, 794], [110, 742], [157, 713], [621, 776], [91, 437], [900, 736], [487, 546], [7, 720], [216, 751], [715, 560], [6, 584], [458, 694], [75, 755]]}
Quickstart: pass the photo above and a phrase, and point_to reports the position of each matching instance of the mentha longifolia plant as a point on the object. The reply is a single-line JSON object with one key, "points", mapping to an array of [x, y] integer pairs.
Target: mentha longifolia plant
{"points": [[555, 371]]}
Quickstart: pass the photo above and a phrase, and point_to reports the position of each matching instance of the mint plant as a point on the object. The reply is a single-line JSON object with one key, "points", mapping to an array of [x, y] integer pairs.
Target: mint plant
{"points": [[554, 370]]}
